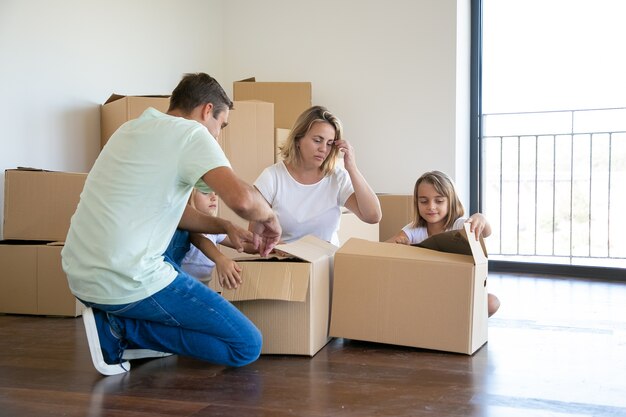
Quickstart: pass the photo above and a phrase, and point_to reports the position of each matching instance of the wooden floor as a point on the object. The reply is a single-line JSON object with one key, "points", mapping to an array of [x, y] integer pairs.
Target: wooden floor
{"points": [[557, 347]]}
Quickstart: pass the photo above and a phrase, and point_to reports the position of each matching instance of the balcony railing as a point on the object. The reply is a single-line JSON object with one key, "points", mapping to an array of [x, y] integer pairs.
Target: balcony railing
{"points": [[554, 186]]}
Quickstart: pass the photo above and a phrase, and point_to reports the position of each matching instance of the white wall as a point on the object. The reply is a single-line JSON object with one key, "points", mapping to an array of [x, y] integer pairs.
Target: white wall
{"points": [[61, 59], [396, 73]]}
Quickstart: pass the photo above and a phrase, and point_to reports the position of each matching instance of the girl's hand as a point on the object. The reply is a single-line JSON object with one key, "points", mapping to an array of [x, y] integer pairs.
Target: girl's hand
{"points": [[479, 225], [240, 237], [403, 240], [400, 238], [228, 274]]}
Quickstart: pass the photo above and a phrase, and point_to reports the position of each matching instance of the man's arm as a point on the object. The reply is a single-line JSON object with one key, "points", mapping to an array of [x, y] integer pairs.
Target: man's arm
{"points": [[248, 203], [196, 221], [242, 198]]}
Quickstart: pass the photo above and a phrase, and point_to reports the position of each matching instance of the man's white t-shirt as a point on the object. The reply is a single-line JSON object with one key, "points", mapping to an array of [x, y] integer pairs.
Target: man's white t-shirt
{"points": [[196, 263], [418, 234], [304, 209], [131, 204]]}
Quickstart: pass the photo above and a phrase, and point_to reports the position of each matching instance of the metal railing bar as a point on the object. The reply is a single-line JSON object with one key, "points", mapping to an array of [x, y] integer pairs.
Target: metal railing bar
{"points": [[529, 135], [536, 192], [555, 111], [608, 221], [501, 183], [571, 192], [525, 255], [553, 192], [516, 238], [518, 189]]}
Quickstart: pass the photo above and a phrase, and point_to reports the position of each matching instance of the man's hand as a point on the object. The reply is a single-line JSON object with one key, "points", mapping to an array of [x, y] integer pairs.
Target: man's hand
{"points": [[268, 234]]}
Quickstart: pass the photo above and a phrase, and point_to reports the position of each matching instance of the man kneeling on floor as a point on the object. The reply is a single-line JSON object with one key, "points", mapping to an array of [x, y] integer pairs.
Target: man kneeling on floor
{"points": [[134, 199]]}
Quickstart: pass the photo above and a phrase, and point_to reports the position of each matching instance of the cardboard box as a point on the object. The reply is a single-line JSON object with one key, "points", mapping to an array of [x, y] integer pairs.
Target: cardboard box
{"points": [[351, 226], [248, 142], [119, 109], [397, 212], [33, 281], [288, 299], [412, 296], [290, 98], [38, 205]]}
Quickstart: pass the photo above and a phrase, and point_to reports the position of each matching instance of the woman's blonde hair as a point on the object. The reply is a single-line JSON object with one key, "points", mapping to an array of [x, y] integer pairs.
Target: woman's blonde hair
{"points": [[290, 151], [444, 186]]}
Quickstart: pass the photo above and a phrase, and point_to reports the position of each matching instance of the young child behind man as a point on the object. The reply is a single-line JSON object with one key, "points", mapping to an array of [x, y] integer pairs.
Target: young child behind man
{"points": [[203, 255]]}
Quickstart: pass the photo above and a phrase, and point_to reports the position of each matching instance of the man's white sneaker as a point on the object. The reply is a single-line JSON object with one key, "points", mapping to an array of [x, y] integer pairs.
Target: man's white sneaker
{"points": [[95, 348], [130, 354]]}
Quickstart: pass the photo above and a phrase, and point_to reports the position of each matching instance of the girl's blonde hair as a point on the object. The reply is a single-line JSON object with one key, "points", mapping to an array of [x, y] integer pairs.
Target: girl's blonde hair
{"points": [[192, 199], [290, 151], [444, 186]]}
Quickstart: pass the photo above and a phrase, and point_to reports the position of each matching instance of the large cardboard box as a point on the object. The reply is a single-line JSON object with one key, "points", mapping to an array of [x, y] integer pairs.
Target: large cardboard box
{"points": [[248, 142], [38, 205], [412, 296], [351, 226], [288, 299], [33, 281], [119, 109], [397, 212], [290, 98]]}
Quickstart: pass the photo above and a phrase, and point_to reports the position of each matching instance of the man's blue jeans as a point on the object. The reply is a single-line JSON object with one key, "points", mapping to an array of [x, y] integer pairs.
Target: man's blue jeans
{"points": [[189, 319]]}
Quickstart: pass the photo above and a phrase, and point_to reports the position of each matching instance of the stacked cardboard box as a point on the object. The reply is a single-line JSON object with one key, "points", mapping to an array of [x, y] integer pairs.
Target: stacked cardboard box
{"points": [[290, 98], [119, 109], [38, 206], [351, 226], [397, 212], [248, 142]]}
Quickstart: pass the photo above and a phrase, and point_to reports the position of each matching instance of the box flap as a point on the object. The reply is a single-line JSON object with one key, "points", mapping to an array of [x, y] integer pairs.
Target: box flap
{"points": [[271, 280], [247, 80], [115, 97], [457, 241], [309, 248], [366, 248]]}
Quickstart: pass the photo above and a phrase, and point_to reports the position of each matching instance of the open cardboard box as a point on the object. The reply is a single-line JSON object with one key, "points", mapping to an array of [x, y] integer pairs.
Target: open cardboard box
{"points": [[288, 299], [413, 296]]}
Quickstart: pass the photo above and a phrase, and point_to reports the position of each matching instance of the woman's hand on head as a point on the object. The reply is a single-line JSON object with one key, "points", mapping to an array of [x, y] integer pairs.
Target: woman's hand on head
{"points": [[348, 152]]}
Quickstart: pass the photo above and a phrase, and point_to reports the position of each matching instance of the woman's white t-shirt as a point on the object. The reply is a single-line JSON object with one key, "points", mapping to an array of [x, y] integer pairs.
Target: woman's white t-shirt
{"points": [[306, 209], [418, 234]]}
